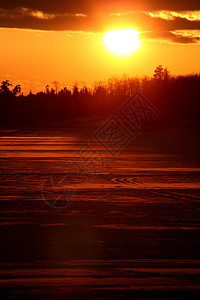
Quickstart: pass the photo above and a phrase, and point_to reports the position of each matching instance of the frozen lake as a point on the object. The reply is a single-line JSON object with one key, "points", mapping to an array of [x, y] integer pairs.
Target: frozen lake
{"points": [[92, 225]]}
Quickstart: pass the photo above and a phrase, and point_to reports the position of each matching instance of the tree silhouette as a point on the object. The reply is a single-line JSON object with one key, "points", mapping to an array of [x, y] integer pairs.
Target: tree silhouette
{"points": [[176, 97], [75, 92], [16, 90], [47, 89], [56, 85], [166, 74], [4, 88], [160, 73]]}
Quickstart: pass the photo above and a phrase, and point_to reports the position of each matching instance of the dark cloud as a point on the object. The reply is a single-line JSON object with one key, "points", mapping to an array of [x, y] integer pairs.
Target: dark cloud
{"points": [[88, 6], [172, 36], [72, 23], [145, 22]]}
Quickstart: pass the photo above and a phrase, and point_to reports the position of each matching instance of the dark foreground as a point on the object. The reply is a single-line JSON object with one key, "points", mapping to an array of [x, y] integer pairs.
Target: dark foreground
{"points": [[129, 229]]}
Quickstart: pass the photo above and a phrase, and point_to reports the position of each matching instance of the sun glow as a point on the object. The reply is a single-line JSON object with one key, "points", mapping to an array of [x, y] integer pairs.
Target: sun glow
{"points": [[123, 42]]}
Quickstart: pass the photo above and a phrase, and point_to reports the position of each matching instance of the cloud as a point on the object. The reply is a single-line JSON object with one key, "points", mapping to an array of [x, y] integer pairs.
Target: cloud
{"points": [[176, 37], [21, 12], [171, 15], [26, 18], [155, 16]]}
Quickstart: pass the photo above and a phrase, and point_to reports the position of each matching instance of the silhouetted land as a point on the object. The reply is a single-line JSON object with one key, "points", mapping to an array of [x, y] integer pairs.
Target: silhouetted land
{"points": [[176, 98]]}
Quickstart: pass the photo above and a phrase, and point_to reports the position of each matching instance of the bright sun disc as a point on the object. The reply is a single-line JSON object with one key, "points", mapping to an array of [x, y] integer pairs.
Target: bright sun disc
{"points": [[122, 42]]}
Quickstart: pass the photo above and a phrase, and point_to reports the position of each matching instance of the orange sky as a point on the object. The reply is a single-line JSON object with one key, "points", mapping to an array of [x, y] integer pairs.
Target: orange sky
{"points": [[36, 58], [72, 48]]}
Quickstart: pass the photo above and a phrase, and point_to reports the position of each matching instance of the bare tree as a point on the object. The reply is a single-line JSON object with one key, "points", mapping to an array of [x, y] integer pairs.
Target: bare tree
{"points": [[16, 90]]}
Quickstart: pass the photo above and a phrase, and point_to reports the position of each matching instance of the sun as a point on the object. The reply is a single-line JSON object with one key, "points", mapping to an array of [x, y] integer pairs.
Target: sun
{"points": [[122, 42]]}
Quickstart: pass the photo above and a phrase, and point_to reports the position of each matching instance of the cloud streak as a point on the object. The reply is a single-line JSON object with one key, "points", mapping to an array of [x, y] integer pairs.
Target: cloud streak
{"points": [[21, 12], [172, 15], [175, 37]]}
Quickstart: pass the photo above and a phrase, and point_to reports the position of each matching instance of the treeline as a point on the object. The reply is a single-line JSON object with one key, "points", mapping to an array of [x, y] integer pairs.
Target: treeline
{"points": [[176, 97]]}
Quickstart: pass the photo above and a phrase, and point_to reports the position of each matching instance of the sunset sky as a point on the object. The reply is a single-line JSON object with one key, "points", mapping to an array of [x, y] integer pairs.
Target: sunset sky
{"points": [[43, 41]]}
